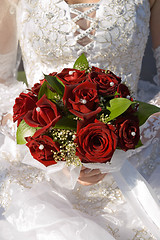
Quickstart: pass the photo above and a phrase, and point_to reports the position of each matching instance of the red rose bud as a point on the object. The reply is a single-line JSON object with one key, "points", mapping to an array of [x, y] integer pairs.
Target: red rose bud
{"points": [[98, 70], [44, 115], [42, 149], [71, 76], [127, 129], [106, 82], [24, 103], [96, 142], [82, 100], [35, 89], [123, 91], [53, 73]]}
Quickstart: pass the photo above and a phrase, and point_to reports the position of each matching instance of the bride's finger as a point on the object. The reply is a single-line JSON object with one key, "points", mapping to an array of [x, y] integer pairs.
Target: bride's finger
{"points": [[91, 180], [89, 172]]}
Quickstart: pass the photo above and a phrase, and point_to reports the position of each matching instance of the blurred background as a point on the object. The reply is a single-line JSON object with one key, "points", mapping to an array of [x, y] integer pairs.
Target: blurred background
{"points": [[148, 70]]}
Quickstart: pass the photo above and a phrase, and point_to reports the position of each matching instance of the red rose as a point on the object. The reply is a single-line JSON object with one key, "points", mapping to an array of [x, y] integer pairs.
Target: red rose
{"points": [[123, 91], [42, 149], [98, 70], [24, 103], [82, 100], [35, 89], [71, 76], [106, 82], [96, 142], [44, 115], [127, 129], [53, 73]]}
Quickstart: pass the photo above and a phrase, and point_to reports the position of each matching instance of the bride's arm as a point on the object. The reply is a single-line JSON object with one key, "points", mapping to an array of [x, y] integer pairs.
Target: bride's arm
{"points": [[9, 86], [8, 41], [155, 23]]}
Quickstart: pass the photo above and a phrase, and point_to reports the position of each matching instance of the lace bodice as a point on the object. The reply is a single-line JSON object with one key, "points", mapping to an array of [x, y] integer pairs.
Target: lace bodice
{"points": [[114, 36]]}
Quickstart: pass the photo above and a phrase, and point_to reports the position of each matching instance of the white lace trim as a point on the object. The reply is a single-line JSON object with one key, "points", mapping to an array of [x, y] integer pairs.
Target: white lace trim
{"points": [[8, 67], [157, 58], [8, 95]]}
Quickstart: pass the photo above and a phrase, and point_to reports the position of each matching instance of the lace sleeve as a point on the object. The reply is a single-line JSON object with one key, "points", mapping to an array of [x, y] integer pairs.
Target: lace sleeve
{"points": [[157, 58], [151, 130], [9, 86], [8, 40]]}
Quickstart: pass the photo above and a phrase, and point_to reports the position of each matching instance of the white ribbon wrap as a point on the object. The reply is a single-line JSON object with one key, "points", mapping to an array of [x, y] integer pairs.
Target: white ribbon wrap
{"points": [[132, 184], [140, 195]]}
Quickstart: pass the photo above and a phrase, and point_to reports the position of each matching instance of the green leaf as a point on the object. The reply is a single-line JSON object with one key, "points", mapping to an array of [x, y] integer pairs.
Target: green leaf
{"points": [[145, 110], [116, 93], [81, 63], [45, 90], [139, 144], [56, 84], [117, 107], [23, 131], [66, 123]]}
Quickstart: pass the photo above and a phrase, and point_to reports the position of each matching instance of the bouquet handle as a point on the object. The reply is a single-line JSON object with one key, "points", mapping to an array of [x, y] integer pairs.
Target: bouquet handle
{"points": [[140, 195]]}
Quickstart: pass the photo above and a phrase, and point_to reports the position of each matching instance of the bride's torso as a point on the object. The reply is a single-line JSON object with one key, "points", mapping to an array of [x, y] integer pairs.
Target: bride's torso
{"points": [[111, 33]]}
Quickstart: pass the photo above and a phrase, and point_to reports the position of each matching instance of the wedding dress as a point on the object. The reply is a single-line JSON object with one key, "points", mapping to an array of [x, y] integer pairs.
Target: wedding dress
{"points": [[52, 34]]}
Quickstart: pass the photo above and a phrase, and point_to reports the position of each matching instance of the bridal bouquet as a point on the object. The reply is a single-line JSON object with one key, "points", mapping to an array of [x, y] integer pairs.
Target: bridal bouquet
{"points": [[80, 115]]}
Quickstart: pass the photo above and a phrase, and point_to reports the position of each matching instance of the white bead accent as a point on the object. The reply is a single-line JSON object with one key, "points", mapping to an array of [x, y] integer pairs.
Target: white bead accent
{"points": [[71, 72], [83, 101], [133, 134], [41, 147], [38, 109], [111, 84]]}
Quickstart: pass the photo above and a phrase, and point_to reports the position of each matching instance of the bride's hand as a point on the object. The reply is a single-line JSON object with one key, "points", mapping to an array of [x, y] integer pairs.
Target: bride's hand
{"points": [[89, 176]]}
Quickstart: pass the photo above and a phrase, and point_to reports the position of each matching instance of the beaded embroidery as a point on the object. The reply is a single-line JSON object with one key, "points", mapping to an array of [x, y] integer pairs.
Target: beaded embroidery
{"points": [[118, 30]]}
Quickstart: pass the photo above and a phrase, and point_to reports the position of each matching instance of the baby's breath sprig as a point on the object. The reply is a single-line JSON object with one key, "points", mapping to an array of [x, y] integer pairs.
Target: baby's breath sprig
{"points": [[67, 151], [104, 118], [77, 118], [88, 70]]}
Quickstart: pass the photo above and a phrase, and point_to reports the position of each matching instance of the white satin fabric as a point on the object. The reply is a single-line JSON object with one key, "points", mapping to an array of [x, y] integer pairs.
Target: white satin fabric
{"points": [[42, 213], [47, 203]]}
